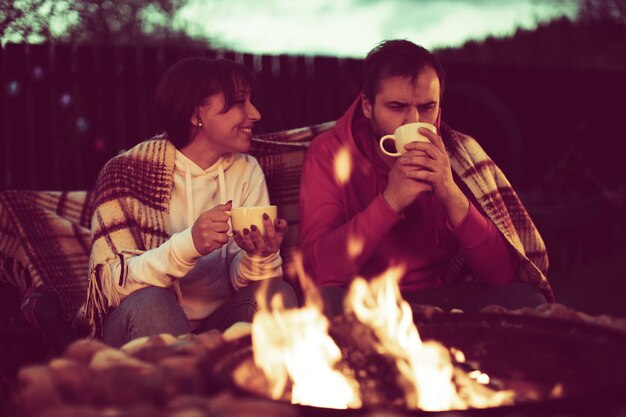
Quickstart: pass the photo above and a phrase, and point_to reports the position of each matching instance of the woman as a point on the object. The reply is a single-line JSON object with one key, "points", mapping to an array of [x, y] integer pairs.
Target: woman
{"points": [[162, 260]]}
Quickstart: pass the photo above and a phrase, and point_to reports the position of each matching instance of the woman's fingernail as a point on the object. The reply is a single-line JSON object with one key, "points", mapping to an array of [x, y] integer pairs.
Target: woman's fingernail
{"points": [[246, 232], [265, 216], [253, 228]]}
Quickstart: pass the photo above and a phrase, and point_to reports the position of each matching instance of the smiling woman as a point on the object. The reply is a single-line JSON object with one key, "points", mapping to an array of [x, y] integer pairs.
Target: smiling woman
{"points": [[162, 214]]}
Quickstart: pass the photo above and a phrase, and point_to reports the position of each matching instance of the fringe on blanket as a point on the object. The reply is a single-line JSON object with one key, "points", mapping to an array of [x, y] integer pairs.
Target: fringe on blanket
{"points": [[14, 273], [96, 306]]}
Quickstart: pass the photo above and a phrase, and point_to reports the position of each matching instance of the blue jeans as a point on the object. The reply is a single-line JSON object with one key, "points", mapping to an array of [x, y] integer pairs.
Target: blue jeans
{"points": [[467, 297], [155, 310]]}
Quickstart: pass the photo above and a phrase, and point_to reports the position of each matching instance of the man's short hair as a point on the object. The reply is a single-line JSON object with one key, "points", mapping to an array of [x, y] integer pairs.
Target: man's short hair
{"points": [[397, 57]]}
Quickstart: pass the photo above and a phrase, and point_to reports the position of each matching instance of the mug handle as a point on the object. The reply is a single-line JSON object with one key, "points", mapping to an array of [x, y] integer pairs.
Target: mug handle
{"points": [[229, 233], [382, 148]]}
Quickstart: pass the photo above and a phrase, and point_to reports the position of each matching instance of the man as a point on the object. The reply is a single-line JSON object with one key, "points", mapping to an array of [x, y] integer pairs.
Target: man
{"points": [[443, 211]]}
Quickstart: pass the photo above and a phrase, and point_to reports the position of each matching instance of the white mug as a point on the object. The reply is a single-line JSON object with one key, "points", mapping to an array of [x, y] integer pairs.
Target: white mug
{"points": [[405, 134], [244, 217]]}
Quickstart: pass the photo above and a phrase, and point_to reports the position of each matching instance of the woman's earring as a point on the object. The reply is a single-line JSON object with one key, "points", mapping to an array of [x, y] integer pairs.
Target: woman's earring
{"points": [[200, 123]]}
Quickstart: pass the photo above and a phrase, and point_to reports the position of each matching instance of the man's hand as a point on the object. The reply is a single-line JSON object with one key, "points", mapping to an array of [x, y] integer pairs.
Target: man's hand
{"points": [[429, 163], [402, 189], [209, 232], [254, 243]]}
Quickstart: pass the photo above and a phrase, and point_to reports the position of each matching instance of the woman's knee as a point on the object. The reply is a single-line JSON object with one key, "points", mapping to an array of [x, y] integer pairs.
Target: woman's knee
{"points": [[286, 291], [146, 312], [274, 287], [151, 302]]}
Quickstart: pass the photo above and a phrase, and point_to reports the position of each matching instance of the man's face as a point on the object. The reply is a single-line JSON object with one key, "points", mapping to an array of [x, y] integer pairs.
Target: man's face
{"points": [[401, 100]]}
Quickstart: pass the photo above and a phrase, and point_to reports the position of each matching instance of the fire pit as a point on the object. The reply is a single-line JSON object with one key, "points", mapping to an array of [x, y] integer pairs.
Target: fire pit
{"points": [[381, 357], [553, 367]]}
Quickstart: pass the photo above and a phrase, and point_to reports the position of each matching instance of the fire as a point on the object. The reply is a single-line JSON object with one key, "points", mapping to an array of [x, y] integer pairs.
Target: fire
{"points": [[426, 366], [293, 347]]}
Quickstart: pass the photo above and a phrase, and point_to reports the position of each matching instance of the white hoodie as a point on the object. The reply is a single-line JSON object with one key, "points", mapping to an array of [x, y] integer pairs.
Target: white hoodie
{"points": [[206, 282]]}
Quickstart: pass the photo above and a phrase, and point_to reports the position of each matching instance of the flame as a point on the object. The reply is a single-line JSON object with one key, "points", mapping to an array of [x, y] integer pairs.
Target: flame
{"points": [[293, 349], [343, 165], [294, 345], [426, 366]]}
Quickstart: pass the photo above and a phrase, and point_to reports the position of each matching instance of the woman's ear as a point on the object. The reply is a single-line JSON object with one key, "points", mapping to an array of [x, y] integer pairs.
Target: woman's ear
{"points": [[195, 119]]}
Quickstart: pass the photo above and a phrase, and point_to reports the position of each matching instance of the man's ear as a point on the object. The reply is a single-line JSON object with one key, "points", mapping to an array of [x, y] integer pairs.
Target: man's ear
{"points": [[366, 106]]}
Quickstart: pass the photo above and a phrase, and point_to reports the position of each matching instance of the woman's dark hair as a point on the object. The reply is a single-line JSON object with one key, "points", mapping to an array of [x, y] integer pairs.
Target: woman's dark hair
{"points": [[398, 57], [187, 83]]}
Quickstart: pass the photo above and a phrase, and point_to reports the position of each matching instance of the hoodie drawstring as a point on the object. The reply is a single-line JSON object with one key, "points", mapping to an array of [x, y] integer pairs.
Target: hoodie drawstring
{"points": [[189, 193], [222, 185]]}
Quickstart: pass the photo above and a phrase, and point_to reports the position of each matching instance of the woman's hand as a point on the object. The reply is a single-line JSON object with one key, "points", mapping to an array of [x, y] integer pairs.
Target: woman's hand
{"points": [[256, 244], [209, 232]]}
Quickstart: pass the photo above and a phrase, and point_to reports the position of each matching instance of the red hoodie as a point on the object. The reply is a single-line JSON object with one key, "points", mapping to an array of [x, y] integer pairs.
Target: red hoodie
{"points": [[348, 229]]}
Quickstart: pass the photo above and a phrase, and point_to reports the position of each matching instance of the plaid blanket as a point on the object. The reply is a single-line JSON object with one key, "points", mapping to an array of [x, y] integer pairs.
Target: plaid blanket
{"points": [[501, 204], [45, 236], [45, 239]]}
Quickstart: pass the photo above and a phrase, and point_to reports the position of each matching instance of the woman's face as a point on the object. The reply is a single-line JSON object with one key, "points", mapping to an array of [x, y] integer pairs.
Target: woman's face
{"points": [[230, 131]]}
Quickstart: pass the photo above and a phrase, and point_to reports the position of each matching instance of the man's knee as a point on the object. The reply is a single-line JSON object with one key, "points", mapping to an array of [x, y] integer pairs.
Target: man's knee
{"points": [[519, 295], [333, 299]]}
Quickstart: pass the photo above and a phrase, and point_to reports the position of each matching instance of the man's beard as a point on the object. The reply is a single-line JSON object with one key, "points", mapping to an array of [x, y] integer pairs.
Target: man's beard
{"points": [[375, 128]]}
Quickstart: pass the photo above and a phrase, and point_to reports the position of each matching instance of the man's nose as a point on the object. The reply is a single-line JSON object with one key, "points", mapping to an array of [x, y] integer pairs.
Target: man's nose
{"points": [[412, 116]]}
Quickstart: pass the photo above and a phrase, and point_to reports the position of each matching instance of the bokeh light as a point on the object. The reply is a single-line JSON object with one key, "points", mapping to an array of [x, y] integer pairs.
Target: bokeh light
{"points": [[38, 73], [65, 100], [14, 88], [82, 125], [99, 145]]}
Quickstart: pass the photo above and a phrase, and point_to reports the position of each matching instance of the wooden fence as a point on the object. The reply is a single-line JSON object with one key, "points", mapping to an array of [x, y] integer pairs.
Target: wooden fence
{"points": [[66, 109]]}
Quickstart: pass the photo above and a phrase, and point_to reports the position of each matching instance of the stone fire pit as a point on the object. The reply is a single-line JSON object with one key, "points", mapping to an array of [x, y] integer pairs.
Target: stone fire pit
{"points": [[563, 363]]}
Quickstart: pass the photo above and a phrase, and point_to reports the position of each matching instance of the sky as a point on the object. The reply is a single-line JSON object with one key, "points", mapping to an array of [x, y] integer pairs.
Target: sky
{"points": [[350, 28]]}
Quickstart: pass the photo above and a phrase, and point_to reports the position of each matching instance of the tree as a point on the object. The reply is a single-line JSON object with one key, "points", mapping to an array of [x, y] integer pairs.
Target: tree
{"points": [[100, 21], [602, 10]]}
